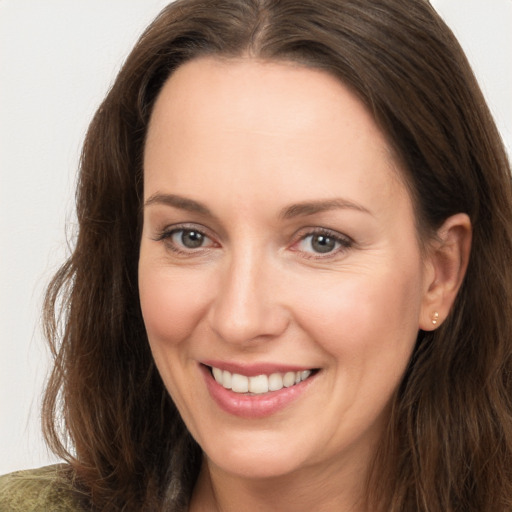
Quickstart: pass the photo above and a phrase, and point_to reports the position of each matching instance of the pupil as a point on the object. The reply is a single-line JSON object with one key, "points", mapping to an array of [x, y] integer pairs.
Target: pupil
{"points": [[322, 243], [192, 239]]}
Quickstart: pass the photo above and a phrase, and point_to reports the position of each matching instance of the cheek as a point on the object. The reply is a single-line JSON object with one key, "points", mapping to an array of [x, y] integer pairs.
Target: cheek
{"points": [[171, 306], [361, 317]]}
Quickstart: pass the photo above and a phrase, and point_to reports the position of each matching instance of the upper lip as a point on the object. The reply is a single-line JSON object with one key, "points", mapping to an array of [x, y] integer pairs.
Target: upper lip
{"points": [[254, 369]]}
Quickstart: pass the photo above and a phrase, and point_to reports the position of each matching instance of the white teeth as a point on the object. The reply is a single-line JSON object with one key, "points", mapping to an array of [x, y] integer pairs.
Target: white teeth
{"points": [[239, 383], [217, 374], [275, 382], [304, 374], [260, 383], [226, 379], [289, 379]]}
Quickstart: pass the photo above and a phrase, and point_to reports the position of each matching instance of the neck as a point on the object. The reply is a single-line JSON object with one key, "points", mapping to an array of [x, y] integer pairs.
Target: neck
{"points": [[331, 488]]}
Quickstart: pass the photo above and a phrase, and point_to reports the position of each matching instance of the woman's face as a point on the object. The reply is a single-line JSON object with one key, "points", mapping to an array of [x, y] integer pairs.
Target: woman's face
{"points": [[279, 257]]}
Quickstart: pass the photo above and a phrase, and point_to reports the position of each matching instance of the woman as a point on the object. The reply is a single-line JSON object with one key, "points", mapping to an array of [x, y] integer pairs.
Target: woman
{"points": [[291, 288]]}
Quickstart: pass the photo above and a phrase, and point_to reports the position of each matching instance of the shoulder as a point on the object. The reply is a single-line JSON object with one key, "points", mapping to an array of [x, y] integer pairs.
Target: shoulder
{"points": [[47, 488]]}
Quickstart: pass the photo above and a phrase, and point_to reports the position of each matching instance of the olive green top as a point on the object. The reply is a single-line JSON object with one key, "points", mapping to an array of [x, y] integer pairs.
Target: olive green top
{"points": [[38, 490]]}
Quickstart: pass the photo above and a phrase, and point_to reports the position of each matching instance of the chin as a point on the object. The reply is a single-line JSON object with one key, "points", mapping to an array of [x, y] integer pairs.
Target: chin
{"points": [[253, 462]]}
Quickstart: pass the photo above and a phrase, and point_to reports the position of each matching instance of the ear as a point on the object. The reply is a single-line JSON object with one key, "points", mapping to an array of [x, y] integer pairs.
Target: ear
{"points": [[445, 267]]}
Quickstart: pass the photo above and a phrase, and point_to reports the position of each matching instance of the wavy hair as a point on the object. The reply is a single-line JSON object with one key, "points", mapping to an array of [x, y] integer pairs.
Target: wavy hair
{"points": [[448, 446]]}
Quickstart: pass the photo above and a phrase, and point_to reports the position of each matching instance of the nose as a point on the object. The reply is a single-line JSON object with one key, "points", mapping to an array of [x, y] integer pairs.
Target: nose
{"points": [[247, 306]]}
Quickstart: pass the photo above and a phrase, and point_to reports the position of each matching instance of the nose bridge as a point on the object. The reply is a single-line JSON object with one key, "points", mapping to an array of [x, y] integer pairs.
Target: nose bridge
{"points": [[246, 306]]}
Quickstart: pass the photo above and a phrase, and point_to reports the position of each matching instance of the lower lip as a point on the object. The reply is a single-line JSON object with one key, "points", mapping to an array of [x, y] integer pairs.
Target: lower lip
{"points": [[253, 406]]}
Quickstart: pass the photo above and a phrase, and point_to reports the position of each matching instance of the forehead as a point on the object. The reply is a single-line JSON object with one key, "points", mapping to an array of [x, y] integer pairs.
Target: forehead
{"points": [[229, 90], [245, 119]]}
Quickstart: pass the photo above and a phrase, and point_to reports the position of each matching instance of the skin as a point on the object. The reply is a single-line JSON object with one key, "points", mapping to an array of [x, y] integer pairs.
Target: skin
{"points": [[247, 139]]}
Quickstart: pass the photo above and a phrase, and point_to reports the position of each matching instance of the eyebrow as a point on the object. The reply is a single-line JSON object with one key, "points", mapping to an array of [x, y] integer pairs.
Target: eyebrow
{"points": [[180, 202], [312, 207], [302, 209]]}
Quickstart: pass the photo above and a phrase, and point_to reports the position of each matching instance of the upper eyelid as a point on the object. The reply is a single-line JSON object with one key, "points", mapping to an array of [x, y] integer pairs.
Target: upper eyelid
{"points": [[168, 229], [318, 230], [346, 242], [163, 226], [166, 237]]}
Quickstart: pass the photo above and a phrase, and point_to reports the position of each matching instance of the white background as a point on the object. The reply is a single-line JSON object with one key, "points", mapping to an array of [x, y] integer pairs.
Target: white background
{"points": [[57, 59]]}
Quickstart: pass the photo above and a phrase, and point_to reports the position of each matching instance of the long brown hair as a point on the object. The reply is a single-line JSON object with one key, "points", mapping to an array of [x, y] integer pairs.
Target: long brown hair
{"points": [[449, 442]]}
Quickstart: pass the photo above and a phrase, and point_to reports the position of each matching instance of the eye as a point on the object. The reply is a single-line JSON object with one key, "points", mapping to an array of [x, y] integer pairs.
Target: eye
{"points": [[189, 238], [320, 243], [323, 242], [186, 240]]}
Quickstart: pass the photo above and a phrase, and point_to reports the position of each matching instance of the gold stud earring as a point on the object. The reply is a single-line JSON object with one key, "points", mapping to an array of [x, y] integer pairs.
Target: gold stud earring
{"points": [[435, 317]]}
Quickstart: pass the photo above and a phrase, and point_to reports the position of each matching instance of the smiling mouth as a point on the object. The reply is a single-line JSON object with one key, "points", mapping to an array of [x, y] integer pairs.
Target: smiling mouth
{"points": [[259, 384]]}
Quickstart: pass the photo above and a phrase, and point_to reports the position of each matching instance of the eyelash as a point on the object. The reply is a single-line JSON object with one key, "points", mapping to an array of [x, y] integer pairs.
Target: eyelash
{"points": [[167, 235], [342, 242]]}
